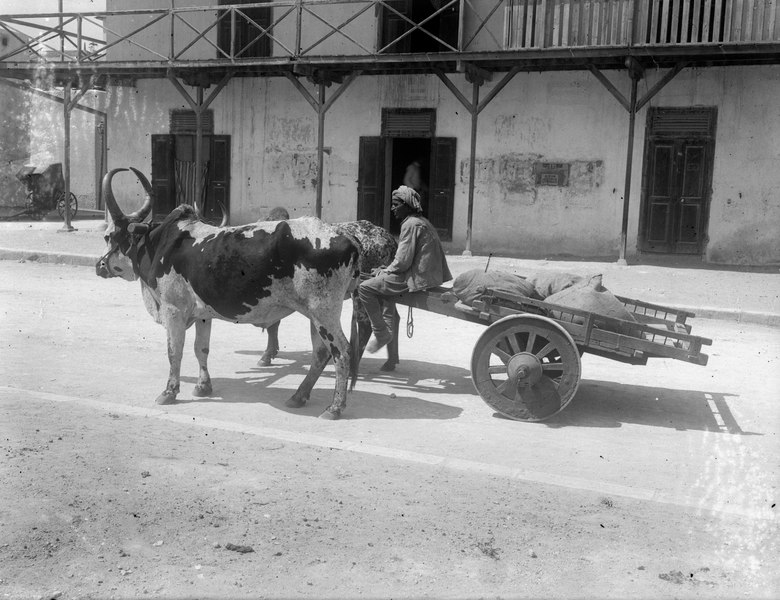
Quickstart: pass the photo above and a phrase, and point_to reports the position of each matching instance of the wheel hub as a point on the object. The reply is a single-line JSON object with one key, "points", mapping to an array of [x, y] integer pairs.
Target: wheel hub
{"points": [[525, 369]]}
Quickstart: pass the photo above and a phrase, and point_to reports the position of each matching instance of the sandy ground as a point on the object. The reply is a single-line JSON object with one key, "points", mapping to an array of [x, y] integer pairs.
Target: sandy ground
{"points": [[105, 495]]}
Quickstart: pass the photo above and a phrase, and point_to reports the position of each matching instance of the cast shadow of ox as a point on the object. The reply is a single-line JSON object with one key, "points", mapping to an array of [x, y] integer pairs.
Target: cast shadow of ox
{"points": [[611, 404], [266, 384]]}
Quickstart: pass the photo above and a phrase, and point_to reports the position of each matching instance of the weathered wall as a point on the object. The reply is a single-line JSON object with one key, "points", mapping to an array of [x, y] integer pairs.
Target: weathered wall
{"points": [[551, 117], [14, 143], [47, 137], [744, 225]]}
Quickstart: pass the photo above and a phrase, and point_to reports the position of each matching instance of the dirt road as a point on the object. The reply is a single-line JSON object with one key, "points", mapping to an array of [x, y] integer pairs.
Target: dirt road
{"points": [[657, 481]]}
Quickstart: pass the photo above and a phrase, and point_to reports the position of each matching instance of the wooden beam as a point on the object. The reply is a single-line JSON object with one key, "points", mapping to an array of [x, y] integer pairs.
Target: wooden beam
{"points": [[610, 87]]}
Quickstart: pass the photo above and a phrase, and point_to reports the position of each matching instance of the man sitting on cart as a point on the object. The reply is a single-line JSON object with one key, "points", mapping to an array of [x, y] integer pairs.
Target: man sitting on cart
{"points": [[419, 264]]}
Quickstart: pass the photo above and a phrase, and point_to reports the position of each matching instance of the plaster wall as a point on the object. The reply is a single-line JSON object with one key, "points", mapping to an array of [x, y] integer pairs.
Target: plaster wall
{"points": [[565, 117], [14, 143], [744, 223]]}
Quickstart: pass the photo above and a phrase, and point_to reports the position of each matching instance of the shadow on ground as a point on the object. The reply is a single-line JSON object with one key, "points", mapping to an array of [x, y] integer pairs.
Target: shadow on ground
{"points": [[262, 385], [612, 404]]}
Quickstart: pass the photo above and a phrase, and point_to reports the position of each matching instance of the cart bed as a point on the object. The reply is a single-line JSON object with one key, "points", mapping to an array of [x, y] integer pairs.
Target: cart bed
{"points": [[660, 331]]}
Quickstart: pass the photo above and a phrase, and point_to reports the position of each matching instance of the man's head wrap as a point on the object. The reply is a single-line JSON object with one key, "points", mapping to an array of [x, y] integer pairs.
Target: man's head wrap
{"points": [[409, 197]]}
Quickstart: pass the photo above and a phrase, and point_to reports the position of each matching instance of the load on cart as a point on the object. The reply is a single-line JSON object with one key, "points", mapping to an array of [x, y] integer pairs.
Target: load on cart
{"points": [[45, 191], [526, 365]]}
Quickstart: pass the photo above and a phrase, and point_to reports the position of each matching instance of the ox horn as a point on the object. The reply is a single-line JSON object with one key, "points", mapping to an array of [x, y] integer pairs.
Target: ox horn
{"points": [[146, 209], [108, 195], [225, 217]]}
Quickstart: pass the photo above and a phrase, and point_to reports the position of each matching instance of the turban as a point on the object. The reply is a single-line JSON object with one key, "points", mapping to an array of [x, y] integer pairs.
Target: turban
{"points": [[409, 197]]}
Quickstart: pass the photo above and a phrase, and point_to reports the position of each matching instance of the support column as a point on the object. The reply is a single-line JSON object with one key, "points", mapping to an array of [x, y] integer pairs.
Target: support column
{"points": [[66, 226], [322, 79], [477, 77], [320, 148], [199, 150], [199, 106], [632, 105], [474, 110], [629, 165]]}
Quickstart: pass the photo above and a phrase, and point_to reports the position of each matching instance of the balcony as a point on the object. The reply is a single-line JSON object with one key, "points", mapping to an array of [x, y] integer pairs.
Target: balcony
{"points": [[392, 36]]}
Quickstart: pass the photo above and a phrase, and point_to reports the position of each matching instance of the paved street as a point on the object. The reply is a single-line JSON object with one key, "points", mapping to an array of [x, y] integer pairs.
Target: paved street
{"points": [[695, 442]]}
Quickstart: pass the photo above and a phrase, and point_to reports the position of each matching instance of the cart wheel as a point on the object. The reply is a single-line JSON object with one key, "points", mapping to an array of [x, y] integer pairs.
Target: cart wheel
{"points": [[74, 205], [526, 367]]}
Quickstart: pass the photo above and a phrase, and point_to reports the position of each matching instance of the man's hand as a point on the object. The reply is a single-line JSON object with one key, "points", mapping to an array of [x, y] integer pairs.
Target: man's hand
{"points": [[378, 271]]}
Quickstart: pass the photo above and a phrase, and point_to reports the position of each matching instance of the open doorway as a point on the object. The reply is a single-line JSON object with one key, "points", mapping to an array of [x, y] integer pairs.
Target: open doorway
{"points": [[410, 165]]}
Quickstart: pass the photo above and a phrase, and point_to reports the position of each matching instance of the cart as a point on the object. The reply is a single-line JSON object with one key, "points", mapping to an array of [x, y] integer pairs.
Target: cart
{"points": [[526, 365], [45, 191]]}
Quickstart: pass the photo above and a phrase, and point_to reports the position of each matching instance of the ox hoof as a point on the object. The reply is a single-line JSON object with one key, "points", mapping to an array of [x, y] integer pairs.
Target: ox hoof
{"points": [[264, 362], [295, 402], [388, 366], [330, 415], [166, 398], [201, 390]]}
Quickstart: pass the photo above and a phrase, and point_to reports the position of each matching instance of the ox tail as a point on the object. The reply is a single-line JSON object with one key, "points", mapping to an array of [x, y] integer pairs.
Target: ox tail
{"points": [[354, 344]]}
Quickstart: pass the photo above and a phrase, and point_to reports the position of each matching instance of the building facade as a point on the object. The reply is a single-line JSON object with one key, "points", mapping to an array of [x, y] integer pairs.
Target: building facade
{"points": [[538, 89]]}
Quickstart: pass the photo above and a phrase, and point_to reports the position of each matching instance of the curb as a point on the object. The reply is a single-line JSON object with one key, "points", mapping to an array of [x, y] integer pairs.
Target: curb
{"points": [[702, 312]]}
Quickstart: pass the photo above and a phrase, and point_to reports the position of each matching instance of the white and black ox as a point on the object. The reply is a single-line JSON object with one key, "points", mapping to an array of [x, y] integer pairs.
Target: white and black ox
{"points": [[377, 249], [193, 272]]}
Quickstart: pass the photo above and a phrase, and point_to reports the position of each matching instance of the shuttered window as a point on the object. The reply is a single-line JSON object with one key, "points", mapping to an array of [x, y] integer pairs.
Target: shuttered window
{"points": [[183, 121], [418, 123], [682, 121]]}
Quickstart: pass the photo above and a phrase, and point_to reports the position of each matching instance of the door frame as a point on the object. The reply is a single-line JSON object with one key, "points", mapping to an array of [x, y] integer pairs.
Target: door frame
{"points": [[687, 128]]}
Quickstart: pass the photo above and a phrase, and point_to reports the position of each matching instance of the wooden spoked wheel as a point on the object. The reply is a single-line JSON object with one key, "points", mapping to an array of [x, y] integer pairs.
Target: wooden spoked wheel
{"points": [[526, 367], [74, 205]]}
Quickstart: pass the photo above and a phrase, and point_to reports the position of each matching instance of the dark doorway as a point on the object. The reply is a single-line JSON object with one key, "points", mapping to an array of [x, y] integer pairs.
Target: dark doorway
{"points": [[677, 178], [173, 174], [383, 164]]}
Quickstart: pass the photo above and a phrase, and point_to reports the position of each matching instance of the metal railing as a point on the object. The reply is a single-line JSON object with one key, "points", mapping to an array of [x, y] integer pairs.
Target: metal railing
{"points": [[294, 29]]}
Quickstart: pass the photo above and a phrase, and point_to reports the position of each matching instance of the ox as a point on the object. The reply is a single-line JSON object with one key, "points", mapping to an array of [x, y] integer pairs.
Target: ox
{"points": [[192, 272], [377, 249]]}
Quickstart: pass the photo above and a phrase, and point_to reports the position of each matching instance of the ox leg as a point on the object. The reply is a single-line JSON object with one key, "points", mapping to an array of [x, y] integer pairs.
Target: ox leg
{"points": [[320, 357], [202, 338], [176, 329], [272, 346], [338, 348]]}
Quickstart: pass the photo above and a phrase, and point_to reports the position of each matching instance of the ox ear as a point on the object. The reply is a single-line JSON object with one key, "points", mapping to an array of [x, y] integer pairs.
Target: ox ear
{"points": [[146, 209], [108, 196]]}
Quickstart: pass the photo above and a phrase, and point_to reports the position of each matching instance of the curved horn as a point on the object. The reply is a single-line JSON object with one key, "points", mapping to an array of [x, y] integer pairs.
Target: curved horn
{"points": [[108, 195], [141, 213], [225, 217]]}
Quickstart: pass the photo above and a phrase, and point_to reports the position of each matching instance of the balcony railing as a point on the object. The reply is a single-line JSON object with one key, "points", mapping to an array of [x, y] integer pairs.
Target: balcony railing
{"points": [[299, 29], [571, 23]]}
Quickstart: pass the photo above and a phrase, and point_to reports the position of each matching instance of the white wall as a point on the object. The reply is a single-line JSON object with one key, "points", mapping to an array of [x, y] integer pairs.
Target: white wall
{"points": [[549, 117]]}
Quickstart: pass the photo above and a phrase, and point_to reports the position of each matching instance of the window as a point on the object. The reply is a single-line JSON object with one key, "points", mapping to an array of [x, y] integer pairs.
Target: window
{"points": [[252, 31]]}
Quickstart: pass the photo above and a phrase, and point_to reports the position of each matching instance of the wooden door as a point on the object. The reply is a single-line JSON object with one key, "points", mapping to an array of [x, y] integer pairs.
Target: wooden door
{"points": [[218, 177], [162, 175], [677, 177], [677, 196], [371, 180], [218, 192], [442, 185]]}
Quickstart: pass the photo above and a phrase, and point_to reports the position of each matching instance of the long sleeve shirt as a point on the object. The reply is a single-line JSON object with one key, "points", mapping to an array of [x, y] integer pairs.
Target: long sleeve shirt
{"points": [[420, 257]]}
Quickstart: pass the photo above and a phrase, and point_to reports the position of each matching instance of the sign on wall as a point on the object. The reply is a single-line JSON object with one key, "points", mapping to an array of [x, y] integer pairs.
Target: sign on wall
{"points": [[552, 174]]}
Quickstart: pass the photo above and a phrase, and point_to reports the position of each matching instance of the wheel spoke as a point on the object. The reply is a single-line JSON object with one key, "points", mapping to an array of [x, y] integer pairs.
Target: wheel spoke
{"points": [[504, 356], [544, 351], [497, 369], [552, 366], [512, 339], [529, 346]]}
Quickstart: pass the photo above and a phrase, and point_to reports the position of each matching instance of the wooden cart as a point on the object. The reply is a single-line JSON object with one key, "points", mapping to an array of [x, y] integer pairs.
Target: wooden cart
{"points": [[526, 365]]}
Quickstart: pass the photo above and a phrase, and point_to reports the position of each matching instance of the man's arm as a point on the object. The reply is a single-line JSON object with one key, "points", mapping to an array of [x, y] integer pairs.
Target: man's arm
{"points": [[407, 246]]}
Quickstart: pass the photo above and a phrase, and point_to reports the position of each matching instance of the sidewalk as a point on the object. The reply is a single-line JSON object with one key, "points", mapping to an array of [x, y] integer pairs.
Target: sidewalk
{"points": [[737, 294]]}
